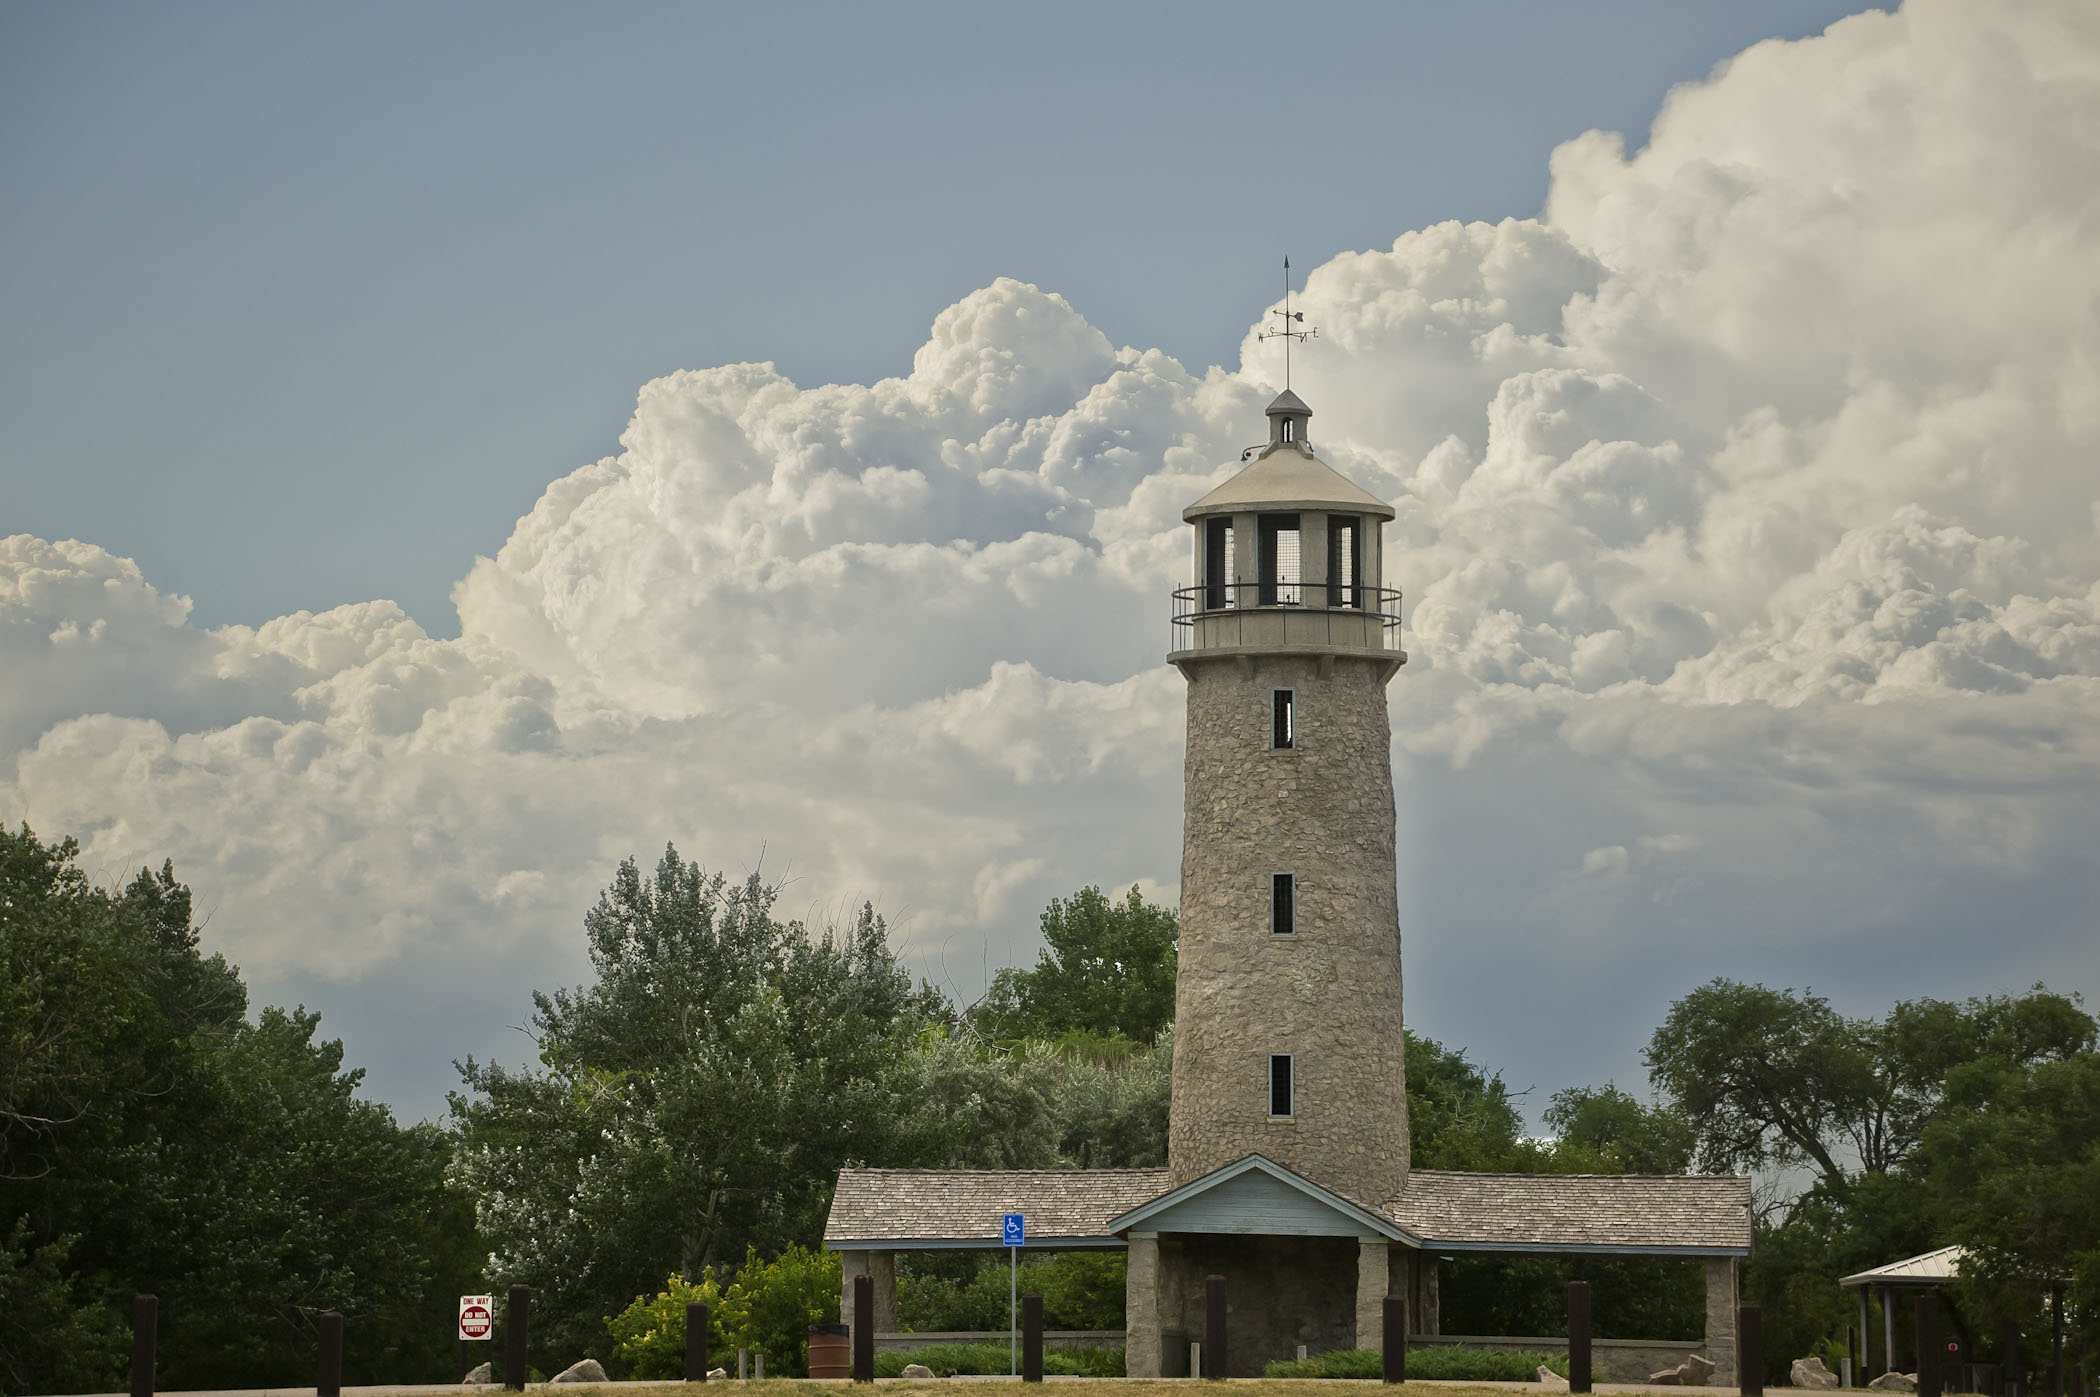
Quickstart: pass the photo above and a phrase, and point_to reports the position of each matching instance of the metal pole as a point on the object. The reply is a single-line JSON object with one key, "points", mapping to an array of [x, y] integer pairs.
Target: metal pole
{"points": [[1579, 1336], [1395, 1339], [1750, 1350], [1214, 1365], [1013, 1311], [696, 1321], [330, 1382], [1031, 1338], [145, 1327], [517, 1321], [863, 1330]]}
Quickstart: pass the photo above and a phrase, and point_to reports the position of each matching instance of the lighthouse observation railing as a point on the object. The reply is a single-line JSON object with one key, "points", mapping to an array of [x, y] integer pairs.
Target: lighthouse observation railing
{"points": [[1230, 615]]}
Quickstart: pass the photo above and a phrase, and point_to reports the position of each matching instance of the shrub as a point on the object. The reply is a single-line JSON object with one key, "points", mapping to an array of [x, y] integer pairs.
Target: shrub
{"points": [[1431, 1363], [947, 1360], [768, 1308], [1080, 1290]]}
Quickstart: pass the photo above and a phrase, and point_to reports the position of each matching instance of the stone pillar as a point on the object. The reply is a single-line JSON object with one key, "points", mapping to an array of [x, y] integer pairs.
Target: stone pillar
{"points": [[1721, 1301], [880, 1267], [1432, 1298], [1141, 1356], [1371, 1280]]}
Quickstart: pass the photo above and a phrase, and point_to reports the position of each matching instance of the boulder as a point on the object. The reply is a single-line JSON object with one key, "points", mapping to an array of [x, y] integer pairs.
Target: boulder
{"points": [[1810, 1372], [1695, 1371], [585, 1370], [485, 1373], [1668, 1377], [717, 1374], [1895, 1382], [917, 1370], [1550, 1379]]}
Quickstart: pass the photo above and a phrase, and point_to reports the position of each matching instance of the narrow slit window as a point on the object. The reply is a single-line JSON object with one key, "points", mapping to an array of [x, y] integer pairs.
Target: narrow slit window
{"points": [[1283, 904], [1280, 1086], [1283, 718]]}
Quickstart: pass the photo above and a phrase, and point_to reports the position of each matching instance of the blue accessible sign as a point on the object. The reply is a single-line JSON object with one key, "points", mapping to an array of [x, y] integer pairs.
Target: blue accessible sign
{"points": [[1015, 1228]]}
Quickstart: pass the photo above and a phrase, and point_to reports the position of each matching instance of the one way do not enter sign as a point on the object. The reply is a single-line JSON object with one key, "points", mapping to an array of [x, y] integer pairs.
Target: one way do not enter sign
{"points": [[477, 1316]]}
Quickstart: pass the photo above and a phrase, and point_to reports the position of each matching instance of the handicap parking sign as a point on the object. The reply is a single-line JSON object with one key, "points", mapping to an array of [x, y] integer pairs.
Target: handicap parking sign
{"points": [[1015, 1228]]}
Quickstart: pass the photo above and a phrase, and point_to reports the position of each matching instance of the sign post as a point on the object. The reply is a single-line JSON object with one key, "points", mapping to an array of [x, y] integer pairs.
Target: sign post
{"points": [[1013, 1228], [477, 1320]]}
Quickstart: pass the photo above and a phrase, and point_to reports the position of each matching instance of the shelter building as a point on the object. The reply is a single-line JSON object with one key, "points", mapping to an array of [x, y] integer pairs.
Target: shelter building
{"points": [[1288, 1167]]}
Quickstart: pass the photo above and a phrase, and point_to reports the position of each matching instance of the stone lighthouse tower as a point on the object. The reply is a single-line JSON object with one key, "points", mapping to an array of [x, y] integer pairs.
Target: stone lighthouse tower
{"points": [[1287, 1039]]}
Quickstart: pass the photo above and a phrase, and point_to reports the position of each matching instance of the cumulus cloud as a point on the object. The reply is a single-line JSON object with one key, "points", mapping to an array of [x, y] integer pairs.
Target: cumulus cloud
{"points": [[1746, 512]]}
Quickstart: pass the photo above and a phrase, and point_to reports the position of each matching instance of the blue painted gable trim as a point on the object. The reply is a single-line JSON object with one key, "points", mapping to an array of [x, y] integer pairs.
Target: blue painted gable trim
{"points": [[1300, 1199]]}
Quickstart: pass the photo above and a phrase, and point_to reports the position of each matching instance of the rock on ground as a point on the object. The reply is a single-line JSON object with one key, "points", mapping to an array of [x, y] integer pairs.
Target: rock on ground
{"points": [[1668, 1377], [1810, 1372], [1695, 1371], [717, 1374], [1549, 1378], [1895, 1382], [917, 1370], [485, 1373], [586, 1370]]}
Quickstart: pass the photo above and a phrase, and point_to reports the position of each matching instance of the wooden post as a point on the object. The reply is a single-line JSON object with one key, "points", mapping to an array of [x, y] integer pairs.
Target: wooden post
{"points": [[1579, 1336], [2015, 1381], [696, 1321], [1214, 1327], [1395, 1337], [1750, 1350], [145, 1328], [864, 1328], [517, 1321], [1031, 1338], [1926, 1320], [2056, 1343], [330, 1381]]}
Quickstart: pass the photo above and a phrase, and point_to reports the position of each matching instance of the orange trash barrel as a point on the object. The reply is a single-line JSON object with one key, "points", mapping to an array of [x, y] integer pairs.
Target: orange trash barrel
{"points": [[829, 1354]]}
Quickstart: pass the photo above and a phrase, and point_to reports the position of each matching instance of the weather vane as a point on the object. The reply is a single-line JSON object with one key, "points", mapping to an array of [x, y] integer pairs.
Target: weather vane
{"points": [[1290, 319]]}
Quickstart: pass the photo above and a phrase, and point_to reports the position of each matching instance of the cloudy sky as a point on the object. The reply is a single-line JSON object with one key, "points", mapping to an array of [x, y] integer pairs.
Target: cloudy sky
{"points": [[443, 452]]}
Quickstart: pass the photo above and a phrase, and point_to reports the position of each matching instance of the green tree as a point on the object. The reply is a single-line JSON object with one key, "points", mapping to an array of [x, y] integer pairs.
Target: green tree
{"points": [[1106, 970], [1616, 1134], [1460, 1116], [154, 1138], [695, 1100]]}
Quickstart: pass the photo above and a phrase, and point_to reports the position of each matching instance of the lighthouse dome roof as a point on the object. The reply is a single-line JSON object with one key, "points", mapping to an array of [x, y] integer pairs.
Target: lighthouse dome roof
{"points": [[1288, 478]]}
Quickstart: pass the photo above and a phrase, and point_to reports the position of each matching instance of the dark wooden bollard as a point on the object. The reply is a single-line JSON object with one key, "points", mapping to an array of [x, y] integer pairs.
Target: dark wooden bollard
{"points": [[1214, 1327], [1579, 1336], [1395, 1338], [697, 1318], [1926, 1318], [2014, 1381], [1750, 1350], [1031, 1338], [517, 1320], [864, 1329], [145, 1327], [330, 1381]]}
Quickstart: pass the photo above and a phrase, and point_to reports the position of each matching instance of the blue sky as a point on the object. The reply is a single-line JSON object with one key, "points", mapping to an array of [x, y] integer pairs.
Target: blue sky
{"points": [[308, 303]]}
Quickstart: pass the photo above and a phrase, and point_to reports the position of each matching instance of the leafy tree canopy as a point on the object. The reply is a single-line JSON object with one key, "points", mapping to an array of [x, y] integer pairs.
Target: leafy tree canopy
{"points": [[1106, 971]]}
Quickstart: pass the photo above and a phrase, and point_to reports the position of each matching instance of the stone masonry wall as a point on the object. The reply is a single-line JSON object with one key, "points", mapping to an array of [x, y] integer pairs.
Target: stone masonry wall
{"points": [[1330, 994]]}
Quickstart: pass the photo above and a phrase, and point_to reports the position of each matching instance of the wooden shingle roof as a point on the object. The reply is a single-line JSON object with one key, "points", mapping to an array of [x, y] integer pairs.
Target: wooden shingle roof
{"points": [[962, 1207], [1690, 1213]]}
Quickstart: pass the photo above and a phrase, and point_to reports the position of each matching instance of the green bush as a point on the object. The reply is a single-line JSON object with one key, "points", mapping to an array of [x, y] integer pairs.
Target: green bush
{"points": [[947, 1360], [1432, 1363], [1080, 1290], [768, 1309]]}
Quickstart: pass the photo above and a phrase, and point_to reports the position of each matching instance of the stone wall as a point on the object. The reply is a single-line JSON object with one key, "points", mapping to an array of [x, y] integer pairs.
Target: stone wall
{"points": [[1329, 994], [1280, 1292], [1611, 1360]]}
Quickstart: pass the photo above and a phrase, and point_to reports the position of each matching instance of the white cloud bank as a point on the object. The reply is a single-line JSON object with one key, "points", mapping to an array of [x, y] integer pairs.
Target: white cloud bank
{"points": [[1747, 516]]}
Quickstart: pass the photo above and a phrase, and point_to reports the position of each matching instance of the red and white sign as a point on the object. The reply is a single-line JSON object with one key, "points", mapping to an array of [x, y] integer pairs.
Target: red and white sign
{"points": [[477, 1316]]}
